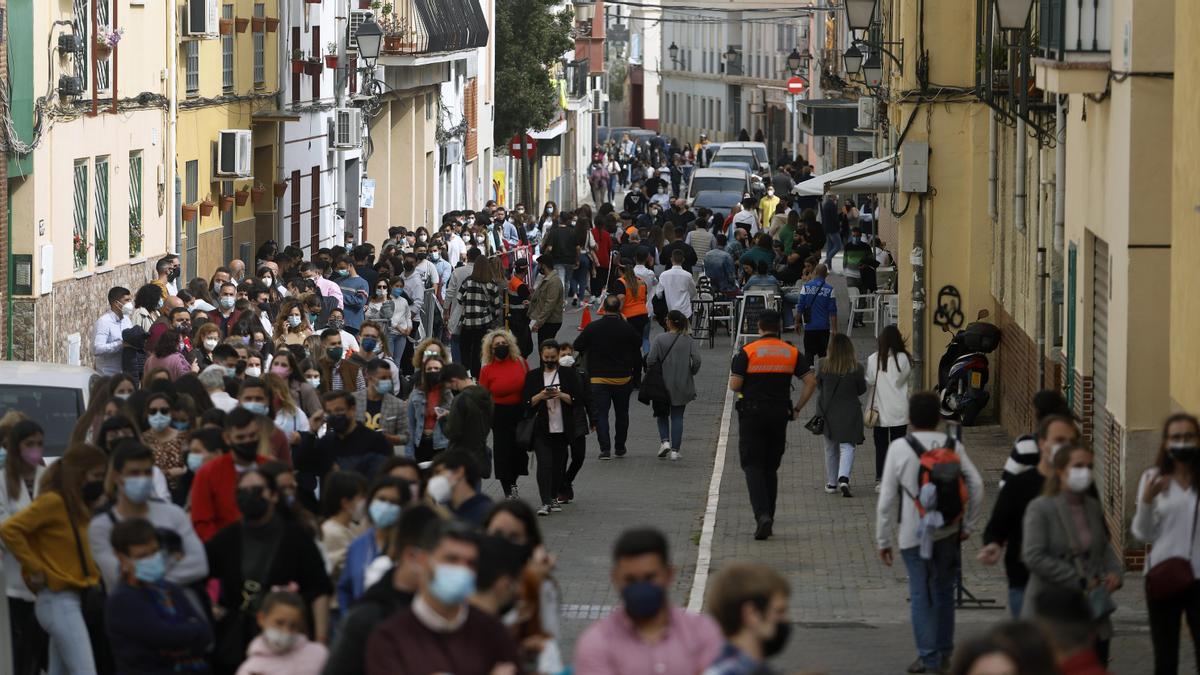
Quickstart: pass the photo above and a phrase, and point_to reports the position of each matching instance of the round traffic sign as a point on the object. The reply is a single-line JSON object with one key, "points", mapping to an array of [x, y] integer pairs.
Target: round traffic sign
{"points": [[796, 85]]}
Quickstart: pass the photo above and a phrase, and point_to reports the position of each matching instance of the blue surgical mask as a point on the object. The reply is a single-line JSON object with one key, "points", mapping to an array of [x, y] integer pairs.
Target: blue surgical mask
{"points": [[369, 344], [159, 421], [293, 320], [3, 454], [397, 292], [227, 302], [195, 460], [312, 318], [256, 407], [452, 584], [383, 386], [383, 514], [150, 570], [342, 273], [180, 425], [138, 488]]}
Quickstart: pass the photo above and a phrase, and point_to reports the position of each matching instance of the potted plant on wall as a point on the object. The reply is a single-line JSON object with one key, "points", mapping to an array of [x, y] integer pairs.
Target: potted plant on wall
{"points": [[206, 207], [280, 188], [106, 39], [258, 24], [226, 203], [225, 26], [241, 24], [80, 248], [331, 56], [242, 196], [272, 24], [297, 61], [188, 211], [257, 192]]}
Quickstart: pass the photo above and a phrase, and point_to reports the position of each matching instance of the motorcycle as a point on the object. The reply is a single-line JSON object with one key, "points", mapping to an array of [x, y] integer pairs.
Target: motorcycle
{"points": [[963, 370]]}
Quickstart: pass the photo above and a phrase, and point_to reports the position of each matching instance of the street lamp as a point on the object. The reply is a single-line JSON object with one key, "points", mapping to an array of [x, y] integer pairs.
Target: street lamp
{"points": [[1013, 14], [369, 37], [673, 51], [853, 60], [794, 60], [872, 70], [860, 13]]}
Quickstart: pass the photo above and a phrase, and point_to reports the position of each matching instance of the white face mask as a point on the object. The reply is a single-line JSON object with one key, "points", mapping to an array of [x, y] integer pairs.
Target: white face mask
{"points": [[253, 371], [567, 360], [439, 489], [315, 382], [210, 344], [127, 308], [279, 641], [1079, 479]]}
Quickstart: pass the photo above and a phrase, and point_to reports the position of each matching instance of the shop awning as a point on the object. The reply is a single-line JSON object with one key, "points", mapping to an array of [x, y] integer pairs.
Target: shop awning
{"points": [[554, 131], [873, 175]]}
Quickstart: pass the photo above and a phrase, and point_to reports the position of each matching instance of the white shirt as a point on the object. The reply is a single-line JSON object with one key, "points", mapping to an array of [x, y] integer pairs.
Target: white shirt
{"points": [[554, 416], [294, 421], [223, 400], [679, 289], [107, 342], [429, 272], [414, 285], [1167, 523], [662, 199], [749, 218], [202, 306], [899, 484], [891, 388], [456, 249]]}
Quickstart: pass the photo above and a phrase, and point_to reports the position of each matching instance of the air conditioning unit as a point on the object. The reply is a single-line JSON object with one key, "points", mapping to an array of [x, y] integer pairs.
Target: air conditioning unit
{"points": [[234, 148], [866, 112], [346, 128], [201, 18], [357, 17], [597, 101]]}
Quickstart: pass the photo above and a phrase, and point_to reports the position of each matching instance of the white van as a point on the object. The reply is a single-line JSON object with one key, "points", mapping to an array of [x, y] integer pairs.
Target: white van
{"points": [[52, 394], [717, 180], [759, 150]]}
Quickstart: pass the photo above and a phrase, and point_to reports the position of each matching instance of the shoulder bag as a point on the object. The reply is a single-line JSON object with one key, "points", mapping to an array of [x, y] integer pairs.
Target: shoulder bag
{"points": [[816, 424], [1099, 600], [91, 598], [1174, 575], [654, 384], [871, 416]]}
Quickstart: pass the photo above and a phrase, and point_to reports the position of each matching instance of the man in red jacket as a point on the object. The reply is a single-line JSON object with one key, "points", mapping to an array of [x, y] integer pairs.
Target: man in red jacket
{"points": [[225, 316], [214, 502]]}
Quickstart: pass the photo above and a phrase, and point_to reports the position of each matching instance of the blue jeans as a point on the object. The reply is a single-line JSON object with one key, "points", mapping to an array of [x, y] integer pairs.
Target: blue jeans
{"points": [[61, 616], [839, 460], [833, 244], [564, 275], [1016, 601], [456, 347], [581, 278], [931, 593], [616, 396], [671, 427]]}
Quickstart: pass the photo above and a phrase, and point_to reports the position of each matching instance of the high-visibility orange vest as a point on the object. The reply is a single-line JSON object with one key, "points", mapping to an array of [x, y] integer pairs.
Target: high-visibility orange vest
{"points": [[635, 301]]}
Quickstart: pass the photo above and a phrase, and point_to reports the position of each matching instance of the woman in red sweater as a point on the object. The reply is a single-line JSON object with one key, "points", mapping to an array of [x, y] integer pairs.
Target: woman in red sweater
{"points": [[503, 375]]}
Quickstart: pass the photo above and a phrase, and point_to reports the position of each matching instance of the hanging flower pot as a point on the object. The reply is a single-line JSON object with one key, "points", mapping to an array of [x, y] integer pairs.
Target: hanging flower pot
{"points": [[280, 188], [102, 50], [272, 24], [206, 208], [257, 192], [242, 196], [188, 211], [313, 67], [241, 24], [226, 203], [225, 26], [258, 24], [393, 43], [298, 65], [331, 61]]}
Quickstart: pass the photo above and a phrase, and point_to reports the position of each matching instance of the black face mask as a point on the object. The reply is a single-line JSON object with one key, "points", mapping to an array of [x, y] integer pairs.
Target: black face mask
{"points": [[776, 644], [252, 503], [550, 365], [245, 451], [432, 378], [1185, 455], [93, 490], [173, 274], [500, 351], [338, 423]]}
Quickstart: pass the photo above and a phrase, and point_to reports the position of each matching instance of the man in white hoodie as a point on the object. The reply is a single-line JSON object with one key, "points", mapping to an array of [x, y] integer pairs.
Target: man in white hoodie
{"points": [[932, 554]]}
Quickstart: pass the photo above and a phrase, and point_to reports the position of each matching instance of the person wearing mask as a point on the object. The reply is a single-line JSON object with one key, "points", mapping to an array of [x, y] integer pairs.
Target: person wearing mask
{"points": [[107, 339], [337, 372], [677, 285], [355, 293], [399, 326], [165, 346], [1004, 530], [888, 371], [348, 443], [550, 394], [441, 631], [325, 287], [646, 628], [344, 514], [453, 483], [377, 409], [817, 306], [268, 548], [133, 487], [374, 346], [932, 555], [767, 206], [678, 355], [226, 316], [840, 383], [468, 420], [49, 541], [1066, 543], [761, 375], [213, 490], [255, 396], [562, 246], [518, 310], [165, 440], [288, 417], [750, 603], [613, 349], [633, 294], [428, 404], [282, 647], [1025, 454], [387, 498], [482, 310], [152, 625], [546, 303], [292, 326], [380, 307], [680, 216], [581, 412], [503, 375], [719, 267], [831, 226], [1166, 511], [392, 593], [635, 200], [23, 471], [452, 314]]}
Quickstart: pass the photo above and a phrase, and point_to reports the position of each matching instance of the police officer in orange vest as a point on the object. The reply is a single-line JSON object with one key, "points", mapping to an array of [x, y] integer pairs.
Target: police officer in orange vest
{"points": [[518, 307], [761, 374]]}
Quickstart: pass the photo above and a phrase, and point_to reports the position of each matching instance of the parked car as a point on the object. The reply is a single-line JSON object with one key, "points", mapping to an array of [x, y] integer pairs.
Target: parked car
{"points": [[52, 394], [759, 150], [718, 180]]}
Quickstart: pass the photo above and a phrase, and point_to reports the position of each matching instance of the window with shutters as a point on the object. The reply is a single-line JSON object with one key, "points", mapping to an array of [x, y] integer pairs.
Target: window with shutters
{"points": [[135, 204], [260, 43], [227, 82], [191, 194], [100, 211], [191, 64], [80, 193], [82, 24]]}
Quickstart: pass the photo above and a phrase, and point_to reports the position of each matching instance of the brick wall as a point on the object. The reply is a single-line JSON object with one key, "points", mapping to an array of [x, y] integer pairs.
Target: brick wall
{"points": [[1016, 376]]}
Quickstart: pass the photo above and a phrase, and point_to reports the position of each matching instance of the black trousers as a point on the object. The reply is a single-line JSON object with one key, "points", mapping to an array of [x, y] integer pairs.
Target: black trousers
{"points": [[578, 451], [883, 438], [29, 641], [510, 460], [761, 442], [816, 343], [1165, 622], [470, 343], [548, 331], [551, 452], [599, 282]]}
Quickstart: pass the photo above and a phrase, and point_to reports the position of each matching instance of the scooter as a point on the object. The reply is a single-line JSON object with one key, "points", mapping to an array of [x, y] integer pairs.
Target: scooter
{"points": [[963, 370]]}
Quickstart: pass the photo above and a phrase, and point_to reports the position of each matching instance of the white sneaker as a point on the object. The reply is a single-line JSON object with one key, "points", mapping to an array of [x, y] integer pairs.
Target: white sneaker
{"points": [[674, 455], [544, 510], [830, 489], [663, 449], [878, 488]]}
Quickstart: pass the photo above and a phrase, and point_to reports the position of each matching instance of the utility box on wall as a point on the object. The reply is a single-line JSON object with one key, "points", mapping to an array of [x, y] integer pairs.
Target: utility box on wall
{"points": [[914, 166]]}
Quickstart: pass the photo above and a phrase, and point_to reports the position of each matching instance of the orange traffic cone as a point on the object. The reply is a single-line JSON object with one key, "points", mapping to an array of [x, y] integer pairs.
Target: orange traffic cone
{"points": [[586, 318]]}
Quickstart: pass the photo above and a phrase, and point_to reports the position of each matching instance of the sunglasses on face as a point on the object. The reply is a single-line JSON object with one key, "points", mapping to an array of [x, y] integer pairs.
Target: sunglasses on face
{"points": [[157, 411]]}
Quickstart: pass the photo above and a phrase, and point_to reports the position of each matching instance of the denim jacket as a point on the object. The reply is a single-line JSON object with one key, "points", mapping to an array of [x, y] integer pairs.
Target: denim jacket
{"points": [[416, 421]]}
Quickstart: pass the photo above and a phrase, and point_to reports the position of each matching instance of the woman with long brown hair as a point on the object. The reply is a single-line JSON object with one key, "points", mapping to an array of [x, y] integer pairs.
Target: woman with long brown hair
{"points": [[23, 470], [633, 294], [482, 307], [888, 371], [49, 539], [840, 381], [291, 326]]}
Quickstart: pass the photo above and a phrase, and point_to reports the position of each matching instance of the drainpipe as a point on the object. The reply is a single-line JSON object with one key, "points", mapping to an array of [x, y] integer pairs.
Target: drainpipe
{"points": [[172, 211], [993, 211], [282, 60], [1019, 183], [1060, 173], [339, 92], [918, 293], [1042, 277]]}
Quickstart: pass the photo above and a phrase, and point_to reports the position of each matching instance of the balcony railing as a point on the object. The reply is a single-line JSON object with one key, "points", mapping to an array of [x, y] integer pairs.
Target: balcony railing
{"points": [[1074, 27], [431, 26]]}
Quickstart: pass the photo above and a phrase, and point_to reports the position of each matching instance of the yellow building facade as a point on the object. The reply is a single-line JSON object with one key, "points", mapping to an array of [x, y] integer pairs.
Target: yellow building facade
{"points": [[1184, 325]]}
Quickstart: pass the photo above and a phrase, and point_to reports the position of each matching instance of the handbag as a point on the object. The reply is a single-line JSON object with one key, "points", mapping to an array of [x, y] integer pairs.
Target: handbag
{"points": [[871, 415], [91, 599], [654, 384], [524, 437], [816, 424], [1174, 575], [1099, 600]]}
